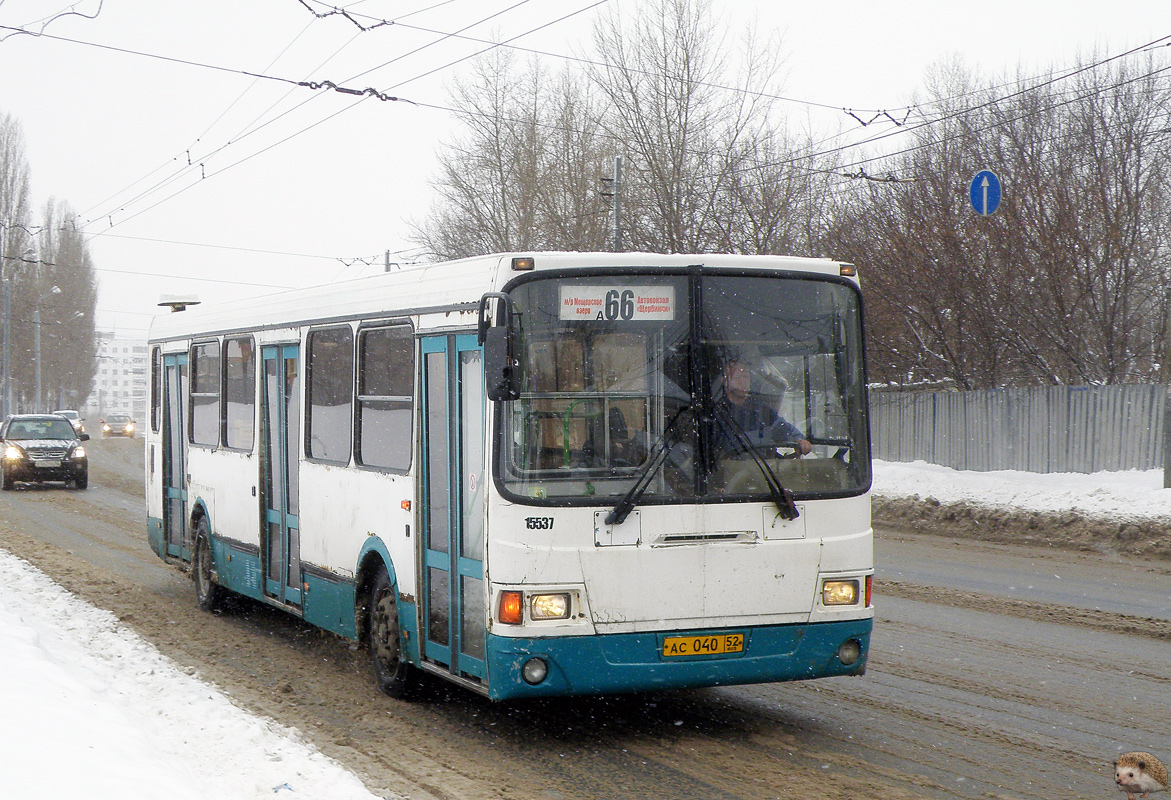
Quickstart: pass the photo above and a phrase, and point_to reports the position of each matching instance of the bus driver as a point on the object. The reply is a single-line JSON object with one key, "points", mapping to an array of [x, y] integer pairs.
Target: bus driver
{"points": [[760, 422]]}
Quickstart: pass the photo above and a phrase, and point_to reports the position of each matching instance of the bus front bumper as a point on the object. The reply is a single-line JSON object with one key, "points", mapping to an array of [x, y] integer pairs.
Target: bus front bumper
{"points": [[635, 662]]}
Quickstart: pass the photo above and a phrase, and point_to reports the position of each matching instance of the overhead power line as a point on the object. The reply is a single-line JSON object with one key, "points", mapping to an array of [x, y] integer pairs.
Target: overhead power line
{"points": [[45, 22], [369, 91], [375, 22], [362, 95]]}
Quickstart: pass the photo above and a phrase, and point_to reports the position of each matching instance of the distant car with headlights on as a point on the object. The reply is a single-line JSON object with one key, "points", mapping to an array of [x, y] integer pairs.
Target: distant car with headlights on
{"points": [[35, 448], [118, 425], [74, 419]]}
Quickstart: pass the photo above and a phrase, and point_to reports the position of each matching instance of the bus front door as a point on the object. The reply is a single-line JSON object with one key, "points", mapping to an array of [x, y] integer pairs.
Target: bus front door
{"points": [[452, 499], [175, 457], [280, 422]]}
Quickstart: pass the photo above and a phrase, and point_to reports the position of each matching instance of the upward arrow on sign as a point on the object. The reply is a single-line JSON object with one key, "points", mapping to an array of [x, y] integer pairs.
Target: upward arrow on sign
{"points": [[985, 193]]}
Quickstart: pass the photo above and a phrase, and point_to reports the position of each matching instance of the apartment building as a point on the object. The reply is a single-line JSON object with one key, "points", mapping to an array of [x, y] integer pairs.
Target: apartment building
{"points": [[121, 380]]}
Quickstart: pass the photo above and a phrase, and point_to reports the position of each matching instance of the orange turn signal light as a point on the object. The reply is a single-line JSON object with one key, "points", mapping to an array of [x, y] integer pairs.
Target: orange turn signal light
{"points": [[512, 607]]}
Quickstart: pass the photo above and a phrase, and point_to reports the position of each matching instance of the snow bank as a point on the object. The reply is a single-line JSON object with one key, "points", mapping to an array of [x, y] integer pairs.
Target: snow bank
{"points": [[91, 710], [1132, 494]]}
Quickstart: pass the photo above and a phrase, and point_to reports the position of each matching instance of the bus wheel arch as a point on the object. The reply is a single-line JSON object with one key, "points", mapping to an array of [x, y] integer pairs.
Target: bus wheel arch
{"points": [[208, 593]]}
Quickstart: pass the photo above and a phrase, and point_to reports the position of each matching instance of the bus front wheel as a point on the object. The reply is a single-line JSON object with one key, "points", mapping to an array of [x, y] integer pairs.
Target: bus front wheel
{"points": [[394, 674], [209, 593]]}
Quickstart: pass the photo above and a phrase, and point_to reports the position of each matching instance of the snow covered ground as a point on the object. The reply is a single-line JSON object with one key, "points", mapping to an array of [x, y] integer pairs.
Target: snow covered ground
{"points": [[1132, 494], [74, 682], [91, 710]]}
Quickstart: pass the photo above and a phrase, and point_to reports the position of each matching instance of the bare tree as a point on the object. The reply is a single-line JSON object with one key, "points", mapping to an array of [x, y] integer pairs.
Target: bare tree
{"points": [[14, 193], [706, 168], [1068, 282], [522, 173], [62, 290], [1065, 283], [1100, 237], [15, 238], [686, 119]]}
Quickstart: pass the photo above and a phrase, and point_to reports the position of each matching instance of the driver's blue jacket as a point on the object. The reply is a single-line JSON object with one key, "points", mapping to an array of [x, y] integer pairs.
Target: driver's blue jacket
{"points": [[761, 423]]}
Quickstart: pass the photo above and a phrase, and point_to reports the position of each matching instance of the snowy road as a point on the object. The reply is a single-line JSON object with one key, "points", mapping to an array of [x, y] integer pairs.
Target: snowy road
{"points": [[1127, 586], [979, 686]]}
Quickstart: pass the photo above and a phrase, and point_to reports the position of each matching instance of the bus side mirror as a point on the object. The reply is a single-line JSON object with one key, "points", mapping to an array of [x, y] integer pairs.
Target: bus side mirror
{"points": [[501, 368], [499, 365]]}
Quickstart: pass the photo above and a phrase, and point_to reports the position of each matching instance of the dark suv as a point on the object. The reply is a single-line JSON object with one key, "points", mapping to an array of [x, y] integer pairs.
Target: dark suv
{"points": [[42, 447]]}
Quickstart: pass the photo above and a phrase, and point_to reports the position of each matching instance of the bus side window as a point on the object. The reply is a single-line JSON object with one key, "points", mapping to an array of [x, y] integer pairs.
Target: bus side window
{"points": [[239, 392], [204, 425], [386, 370], [156, 388], [330, 392]]}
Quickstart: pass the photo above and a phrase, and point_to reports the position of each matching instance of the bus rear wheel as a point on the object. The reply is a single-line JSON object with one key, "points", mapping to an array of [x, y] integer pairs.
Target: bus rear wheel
{"points": [[395, 676], [208, 593]]}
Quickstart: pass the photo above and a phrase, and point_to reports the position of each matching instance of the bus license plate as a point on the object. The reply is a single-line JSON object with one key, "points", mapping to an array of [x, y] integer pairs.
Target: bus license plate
{"points": [[45, 463], [710, 645]]}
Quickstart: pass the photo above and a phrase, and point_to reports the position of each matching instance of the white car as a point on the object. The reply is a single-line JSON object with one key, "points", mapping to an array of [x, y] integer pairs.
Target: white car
{"points": [[74, 419]]}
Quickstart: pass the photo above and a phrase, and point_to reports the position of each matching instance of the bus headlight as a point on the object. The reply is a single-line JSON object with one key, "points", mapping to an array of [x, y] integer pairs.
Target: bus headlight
{"points": [[839, 593], [516, 607], [549, 606]]}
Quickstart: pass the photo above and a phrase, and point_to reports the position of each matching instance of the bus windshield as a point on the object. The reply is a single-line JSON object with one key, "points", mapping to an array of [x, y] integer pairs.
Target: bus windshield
{"points": [[698, 385]]}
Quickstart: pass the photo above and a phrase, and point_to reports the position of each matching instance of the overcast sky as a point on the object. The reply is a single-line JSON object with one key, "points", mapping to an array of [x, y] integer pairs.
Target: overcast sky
{"points": [[195, 178]]}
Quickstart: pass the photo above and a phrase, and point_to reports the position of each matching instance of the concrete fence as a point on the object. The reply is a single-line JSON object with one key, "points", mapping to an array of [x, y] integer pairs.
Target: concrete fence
{"points": [[1043, 429]]}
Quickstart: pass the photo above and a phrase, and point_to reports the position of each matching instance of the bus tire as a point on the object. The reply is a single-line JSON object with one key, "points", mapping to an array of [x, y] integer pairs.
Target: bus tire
{"points": [[394, 675], [209, 594]]}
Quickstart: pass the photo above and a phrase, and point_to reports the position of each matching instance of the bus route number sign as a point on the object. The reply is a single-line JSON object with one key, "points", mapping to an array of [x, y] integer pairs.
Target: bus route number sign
{"points": [[617, 303], [710, 645]]}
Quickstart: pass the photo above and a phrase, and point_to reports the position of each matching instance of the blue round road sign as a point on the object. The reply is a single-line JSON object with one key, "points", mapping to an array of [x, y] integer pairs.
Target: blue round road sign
{"points": [[985, 192]]}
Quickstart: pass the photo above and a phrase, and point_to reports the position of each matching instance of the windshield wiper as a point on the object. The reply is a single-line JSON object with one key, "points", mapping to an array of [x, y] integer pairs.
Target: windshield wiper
{"points": [[658, 455], [780, 495]]}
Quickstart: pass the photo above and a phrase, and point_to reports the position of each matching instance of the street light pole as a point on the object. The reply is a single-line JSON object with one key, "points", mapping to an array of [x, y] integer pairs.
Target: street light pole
{"points": [[37, 341], [37, 345]]}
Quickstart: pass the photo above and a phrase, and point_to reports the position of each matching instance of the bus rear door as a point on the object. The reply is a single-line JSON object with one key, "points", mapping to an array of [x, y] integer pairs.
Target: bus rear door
{"points": [[175, 456], [280, 421]]}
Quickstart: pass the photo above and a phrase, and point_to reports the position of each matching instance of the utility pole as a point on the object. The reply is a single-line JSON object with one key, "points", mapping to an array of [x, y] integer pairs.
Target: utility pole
{"points": [[617, 204], [7, 366], [1165, 376]]}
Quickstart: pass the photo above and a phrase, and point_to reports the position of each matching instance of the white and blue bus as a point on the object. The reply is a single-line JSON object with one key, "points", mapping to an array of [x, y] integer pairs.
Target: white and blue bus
{"points": [[525, 474]]}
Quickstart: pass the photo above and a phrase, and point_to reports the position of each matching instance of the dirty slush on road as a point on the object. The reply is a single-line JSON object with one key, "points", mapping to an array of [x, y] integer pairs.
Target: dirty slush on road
{"points": [[452, 744]]}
